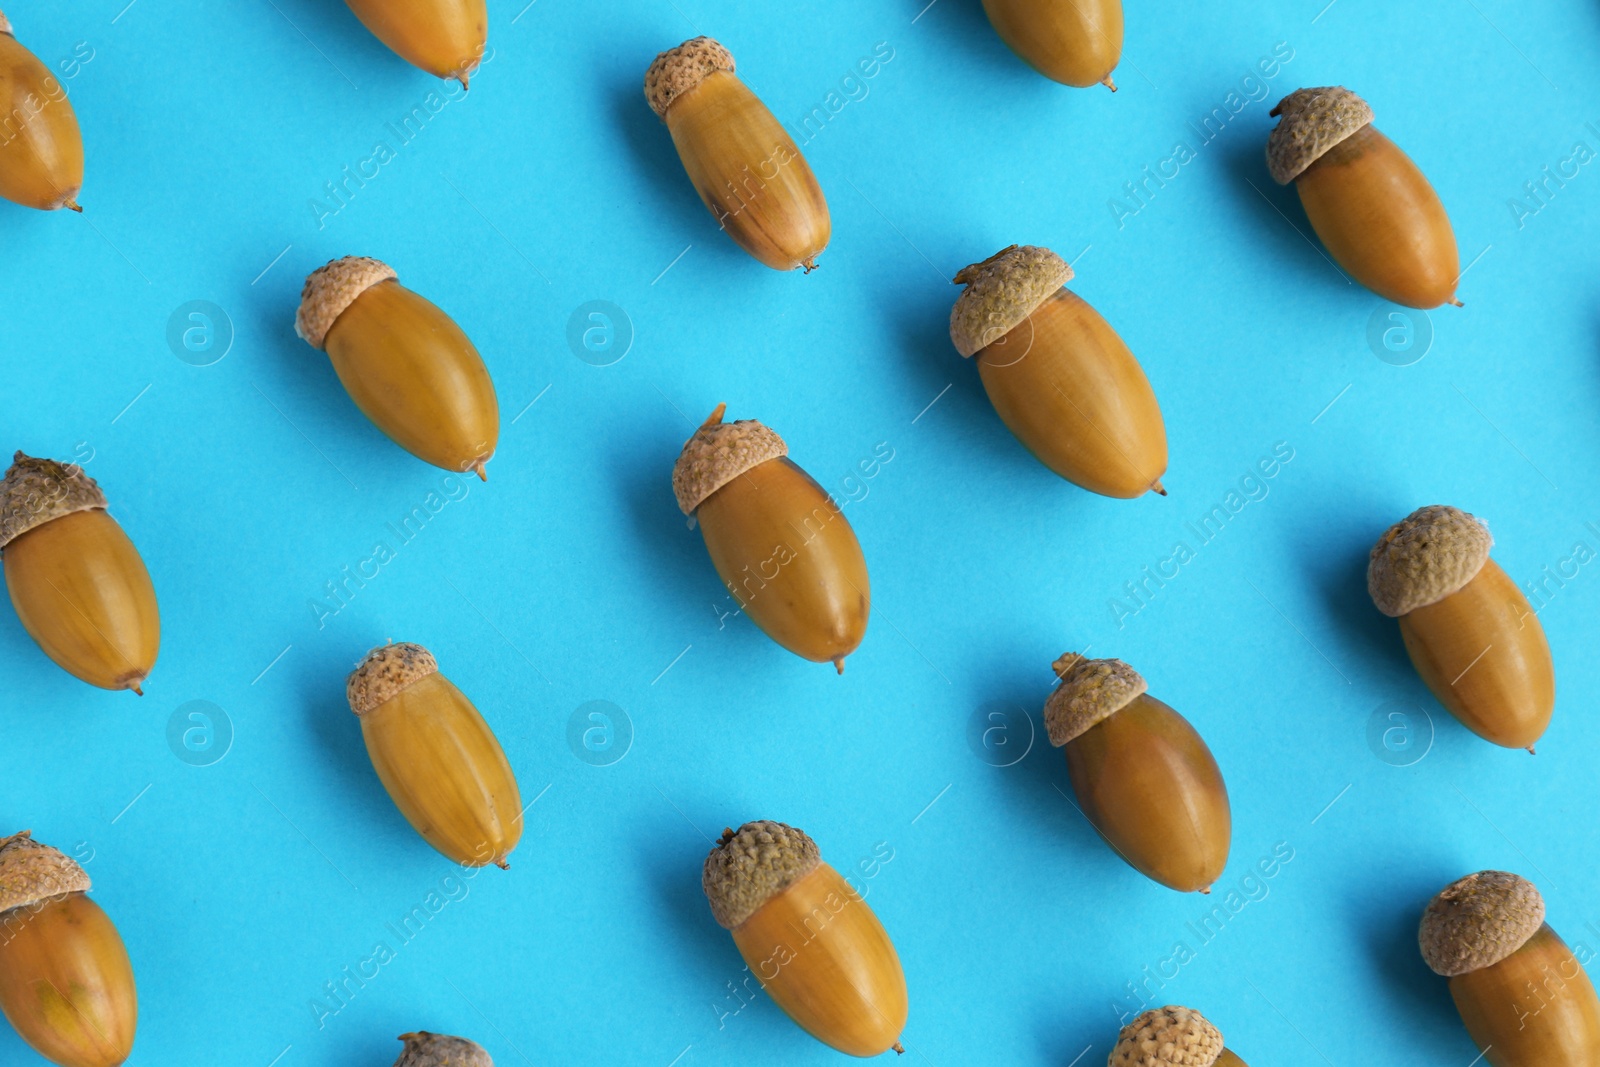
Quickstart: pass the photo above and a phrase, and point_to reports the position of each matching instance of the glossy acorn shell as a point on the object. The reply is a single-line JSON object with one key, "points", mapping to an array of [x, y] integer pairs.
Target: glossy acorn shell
{"points": [[83, 593], [446, 38], [416, 375], [749, 173], [1483, 653], [1535, 1008], [1066, 385], [66, 983], [445, 771], [1381, 220], [41, 158], [1229, 1058], [1075, 42], [790, 560], [825, 959], [1150, 786]]}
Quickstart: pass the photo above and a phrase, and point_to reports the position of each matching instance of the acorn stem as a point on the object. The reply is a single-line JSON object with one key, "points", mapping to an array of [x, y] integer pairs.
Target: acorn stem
{"points": [[899, 1049], [1108, 83], [838, 663], [1159, 488]]}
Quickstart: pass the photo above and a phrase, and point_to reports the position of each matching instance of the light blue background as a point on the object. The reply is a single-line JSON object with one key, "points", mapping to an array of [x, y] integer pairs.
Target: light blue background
{"points": [[242, 887]]}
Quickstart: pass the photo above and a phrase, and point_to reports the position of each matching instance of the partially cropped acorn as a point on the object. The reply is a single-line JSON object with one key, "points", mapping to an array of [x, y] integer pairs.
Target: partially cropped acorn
{"points": [[66, 983], [1143, 776], [1075, 42], [437, 757], [1521, 992], [1372, 207], [811, 940], [405, 363], [446, 38], [76, 580], [779, 542], [741, 160], [440, 1050], [1470, 632], [41, 149], [1171, 1037]]}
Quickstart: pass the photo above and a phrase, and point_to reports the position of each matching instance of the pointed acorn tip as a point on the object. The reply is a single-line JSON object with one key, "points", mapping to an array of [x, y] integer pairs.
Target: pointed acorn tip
{"points": [[1453, 302], [481, 467], [1531, 752], [1206, 892], [1159, 488], [137, 688], [504, 865], [838, 663], [899, 1049], [1108, 83], [72, 204]]}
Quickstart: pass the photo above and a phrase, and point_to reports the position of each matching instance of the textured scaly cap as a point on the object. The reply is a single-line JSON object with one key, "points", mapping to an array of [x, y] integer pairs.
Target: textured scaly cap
{"points": [[1478, 921], [387, 672], [1001, 292], [31, 873], [441, 1050], [1425, 557], [1091, 691], [1167, 1037], [718, 453], [330, 289], [35, 491], [677, 70], [753, 864], [1314, 120]]}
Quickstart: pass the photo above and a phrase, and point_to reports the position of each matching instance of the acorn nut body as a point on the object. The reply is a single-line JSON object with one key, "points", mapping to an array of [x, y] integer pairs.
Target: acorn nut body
{"points": [[1144, 777], [76, 580], [405, 363], [446, 38], [1470, 632], [66, 984], [41, 154], [781, 545], [438, 759], [1171, 1037], [1522, 994], [1374, 210], [809, 937], [1075, 42], [441, 1050], [1058, 375], [740, 159]]}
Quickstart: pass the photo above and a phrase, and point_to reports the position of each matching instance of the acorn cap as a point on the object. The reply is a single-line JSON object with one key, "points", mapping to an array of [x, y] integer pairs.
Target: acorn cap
{"points": [[1091, 691], [387, 672], [1167, 1036], [31, 873], [718, 453], [677, 70], [753, 864], [330, 289], [1314, 120], [1001, 292], [1425, 557], [35, 491], [1478, 921], [441, 1050]]}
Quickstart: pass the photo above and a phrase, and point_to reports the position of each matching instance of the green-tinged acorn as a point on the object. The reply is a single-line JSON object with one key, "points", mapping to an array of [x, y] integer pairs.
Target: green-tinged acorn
{"points": [[441, 1050], [1171, 1037]]}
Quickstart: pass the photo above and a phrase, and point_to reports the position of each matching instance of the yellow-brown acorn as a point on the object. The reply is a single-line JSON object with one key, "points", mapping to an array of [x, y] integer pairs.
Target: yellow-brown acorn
{"points": [[1171, 1037], [1058, 375], [405, 363], [780, 543], [78, 584], [66, 983], [1075, 42], [1470, 632], [742, 162], [1372, 207], [809, 937], [1521, 992], [446, 38], [1144, 777], [41, 149], [440, 762], [441, 1050]]}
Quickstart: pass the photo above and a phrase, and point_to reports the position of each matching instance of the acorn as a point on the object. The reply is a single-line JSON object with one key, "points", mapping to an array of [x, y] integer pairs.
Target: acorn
{"points": [[440, 1050], [1171, 1037], [742, 162], [809, 937], [446, 38], [66, 983], [1470, 632], [1372, 207], [442, 765], [779, 542], [405, 363], [1057, 373], [41, 150], [1521, 992], [75, 578], [1075, 42], [1143, 776]]}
